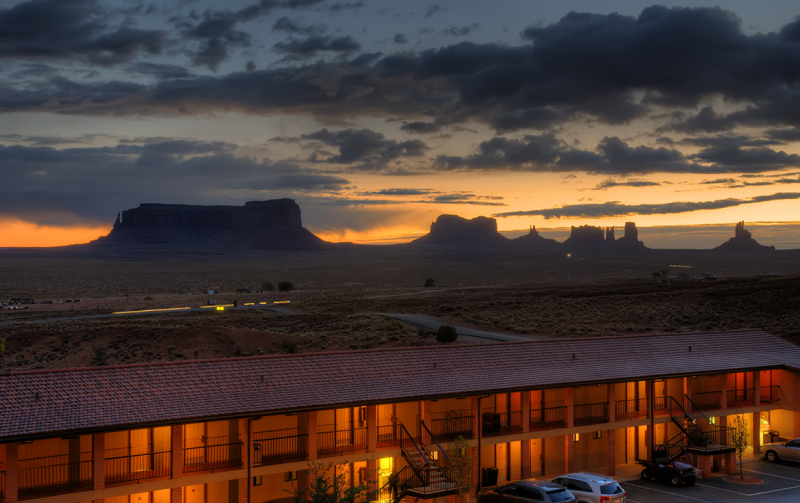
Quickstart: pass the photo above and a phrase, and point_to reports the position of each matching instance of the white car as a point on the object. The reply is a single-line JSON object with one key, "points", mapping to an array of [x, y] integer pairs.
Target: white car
{"points": [[592, 488], [788, 451]]}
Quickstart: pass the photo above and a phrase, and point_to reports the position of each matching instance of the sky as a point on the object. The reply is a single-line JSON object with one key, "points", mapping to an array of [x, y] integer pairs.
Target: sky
{"points": [[378, 116]]}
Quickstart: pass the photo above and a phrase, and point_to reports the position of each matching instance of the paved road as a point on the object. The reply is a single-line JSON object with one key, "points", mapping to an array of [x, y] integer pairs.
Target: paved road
{"points": [[781, 483], [464, 334], [277, 308]]}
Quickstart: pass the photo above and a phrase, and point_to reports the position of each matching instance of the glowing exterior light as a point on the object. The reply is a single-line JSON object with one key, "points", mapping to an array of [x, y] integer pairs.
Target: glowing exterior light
{"points": [[154, 310], [220, 308]]}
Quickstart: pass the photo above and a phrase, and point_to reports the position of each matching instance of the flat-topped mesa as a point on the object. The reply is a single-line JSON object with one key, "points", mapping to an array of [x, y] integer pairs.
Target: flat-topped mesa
{"points": [[452, 229], [742, 240], [586, 235], [258, 225], [604, 239]]}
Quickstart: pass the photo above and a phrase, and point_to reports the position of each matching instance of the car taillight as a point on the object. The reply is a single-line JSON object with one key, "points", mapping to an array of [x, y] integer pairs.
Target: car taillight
{"points": [[605, 499]]}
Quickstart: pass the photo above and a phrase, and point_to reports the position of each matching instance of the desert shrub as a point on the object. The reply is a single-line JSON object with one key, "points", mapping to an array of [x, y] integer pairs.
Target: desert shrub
{"points": [[289, 347], [285, 286], [446, 333], [267, 286], [429, 283], [393, 326]]}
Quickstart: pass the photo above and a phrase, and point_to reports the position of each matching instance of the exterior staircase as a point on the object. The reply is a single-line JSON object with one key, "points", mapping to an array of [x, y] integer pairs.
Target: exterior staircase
{"points": [[698, 434]]}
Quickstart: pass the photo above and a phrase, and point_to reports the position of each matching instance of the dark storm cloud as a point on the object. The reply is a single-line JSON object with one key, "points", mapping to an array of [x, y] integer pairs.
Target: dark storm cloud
{"points": [[399, 192], [434, 9], [467, 198], [369, 148], [339, 7], [617, 209], [784, 135], [160, 71], [400, 38], [311, 46], [460, 31], [613, 156], [91, 184], [295, 27], [71, 28], [706, 121], [420, 127]]}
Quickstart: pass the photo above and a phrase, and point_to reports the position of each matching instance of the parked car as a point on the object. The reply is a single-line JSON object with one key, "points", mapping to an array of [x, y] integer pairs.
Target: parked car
{"points": [[789, 451], [592, 488], [526, 490]]}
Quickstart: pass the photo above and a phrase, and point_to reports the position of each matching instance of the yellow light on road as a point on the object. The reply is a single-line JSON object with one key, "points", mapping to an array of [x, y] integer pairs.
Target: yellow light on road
{"points": [[166, 309], [220, 308]]}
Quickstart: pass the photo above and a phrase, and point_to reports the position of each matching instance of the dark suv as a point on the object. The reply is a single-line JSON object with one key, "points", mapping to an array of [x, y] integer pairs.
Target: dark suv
{"points": [[526, 490]]}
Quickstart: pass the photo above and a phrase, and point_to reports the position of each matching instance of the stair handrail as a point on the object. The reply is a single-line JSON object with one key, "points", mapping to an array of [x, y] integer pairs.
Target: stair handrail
{"points": [[401, 488], [683, 409], [403, 429], [699, 429], [674, 443], [440, 448], [698, 409]]}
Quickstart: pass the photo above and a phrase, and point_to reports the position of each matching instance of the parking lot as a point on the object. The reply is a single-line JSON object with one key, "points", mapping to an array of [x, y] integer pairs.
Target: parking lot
{"points": [[781, 483]]}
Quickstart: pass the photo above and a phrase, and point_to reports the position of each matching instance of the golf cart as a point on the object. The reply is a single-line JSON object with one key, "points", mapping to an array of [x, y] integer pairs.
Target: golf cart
{"points": [[668, 468]]}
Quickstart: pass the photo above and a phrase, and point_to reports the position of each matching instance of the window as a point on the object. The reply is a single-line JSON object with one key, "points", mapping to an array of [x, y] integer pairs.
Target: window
{"points": [[598, 435], [531, 494], [257, 480], [290, 476], [576, 437]]}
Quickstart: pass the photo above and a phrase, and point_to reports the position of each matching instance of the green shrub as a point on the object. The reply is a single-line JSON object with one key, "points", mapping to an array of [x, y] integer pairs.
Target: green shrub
{"points": [[267, 286], [446, 333], [285, 286]]}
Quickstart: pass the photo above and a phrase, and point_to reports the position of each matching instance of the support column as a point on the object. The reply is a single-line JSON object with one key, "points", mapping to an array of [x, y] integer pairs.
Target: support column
{"points": [[243, 483], [611, 452], [723, 387], [372, 475], [704, 463], [12, 472], [569, 453], [424, 415], [611, 392], [476, 469], [756, 388], [245, 435], [526, 411], [177, 452], [795, 378], [372, 428], [569, 400], [729, 462], [311, 429], [525, 461], [755, 426], [176, 495], [99, 460]]}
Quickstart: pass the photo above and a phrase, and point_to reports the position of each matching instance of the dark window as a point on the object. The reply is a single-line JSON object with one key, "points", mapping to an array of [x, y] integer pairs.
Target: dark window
{"points": [[612, 488], [559, 495], [561, 481], [530, 493], [509, 490], [579, 485], [290, 476], [257, 480]]}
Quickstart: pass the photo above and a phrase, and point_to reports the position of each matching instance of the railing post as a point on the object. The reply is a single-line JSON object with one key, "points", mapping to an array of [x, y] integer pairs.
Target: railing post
{"points": [[569, 400], [12, 472], [756, 388], [99, 460], [526, 415], [612, 402], [476, 417], [177, 451], [372, 428], [757, 435], [311, 429]]}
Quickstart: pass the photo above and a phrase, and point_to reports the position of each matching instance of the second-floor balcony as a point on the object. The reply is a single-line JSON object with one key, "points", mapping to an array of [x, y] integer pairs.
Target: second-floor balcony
{"points": [[708, 400], [214, 455], [452, 424], [337, 441], [54, 475], [123, 466], [277, 446], [500, 423], [629, 409], [741, 397], [548, 417], [591, 413]]}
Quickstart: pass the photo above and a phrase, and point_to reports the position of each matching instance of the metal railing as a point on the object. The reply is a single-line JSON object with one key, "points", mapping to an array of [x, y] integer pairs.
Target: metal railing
{"points": [[434, 449], [339, 441], [212, 457], [54, 474], [500, 423], [136, 467], [591, 413], [549, 417], [708, 400], [276, 446], [770, 394], [739, 397], [388, 435], [453, 424], [626, 409]]}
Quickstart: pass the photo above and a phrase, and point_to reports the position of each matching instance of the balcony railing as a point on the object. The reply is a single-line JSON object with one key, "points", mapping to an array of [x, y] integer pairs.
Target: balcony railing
{"points": [[212, 457], [500, 423], [770, 394], [339, 441], [591, 413], [549, 417], [627, 409], [708, 400], [388, 435], [453, 424], [137, 467], [276, 446], [739, 397], [54, 475]]}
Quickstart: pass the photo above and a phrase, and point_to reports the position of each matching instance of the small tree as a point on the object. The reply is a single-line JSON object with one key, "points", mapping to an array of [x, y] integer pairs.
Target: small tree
{"points": [[327, 487], [429, 283], [267, 286], [740, 438], [285, 286], [2, 344], [446, 333], [460, 454]]}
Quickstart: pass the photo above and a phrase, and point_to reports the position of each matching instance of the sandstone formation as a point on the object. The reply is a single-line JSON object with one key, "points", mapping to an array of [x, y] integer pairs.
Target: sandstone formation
{"points": [[258, 225], [590, 236], [455, 230], [586, 235], [742, 240], [534, 240]]}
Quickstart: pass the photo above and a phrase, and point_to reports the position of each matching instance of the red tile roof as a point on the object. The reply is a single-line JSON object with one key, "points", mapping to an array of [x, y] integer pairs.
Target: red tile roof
{"points": [[89, 399]]}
